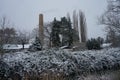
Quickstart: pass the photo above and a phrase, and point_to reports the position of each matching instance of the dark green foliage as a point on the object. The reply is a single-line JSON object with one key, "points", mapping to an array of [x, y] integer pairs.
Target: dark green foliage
{"points": [[100, 40], [64, 29], [67, 32], [1, 48], [70, 33], [93, 44], [55, 33], [75, 35], [7, 73], [36, 46]]}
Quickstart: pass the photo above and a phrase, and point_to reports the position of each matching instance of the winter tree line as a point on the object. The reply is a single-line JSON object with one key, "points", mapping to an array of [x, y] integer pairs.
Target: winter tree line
{"points": [[63, 29], [64, 32], [59, 33], [10, 35], [111, 19]]}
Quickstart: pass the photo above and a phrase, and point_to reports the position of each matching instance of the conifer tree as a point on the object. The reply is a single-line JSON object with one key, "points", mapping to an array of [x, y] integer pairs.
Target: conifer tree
{"points": [[70, 33], [62, 28], [55, 33], [67, 31], [36, 46]]}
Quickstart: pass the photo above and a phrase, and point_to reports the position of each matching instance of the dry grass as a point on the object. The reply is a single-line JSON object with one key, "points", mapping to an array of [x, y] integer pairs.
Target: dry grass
{"points": [[110, 75], [45, 76]]}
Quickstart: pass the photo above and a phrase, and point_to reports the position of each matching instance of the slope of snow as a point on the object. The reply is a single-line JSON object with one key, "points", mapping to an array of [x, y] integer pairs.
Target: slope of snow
{"points": [[58, 60]]}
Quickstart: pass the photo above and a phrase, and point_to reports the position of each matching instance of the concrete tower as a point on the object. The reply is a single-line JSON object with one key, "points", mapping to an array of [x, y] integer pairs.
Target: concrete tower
{"points": [[41, 29]]}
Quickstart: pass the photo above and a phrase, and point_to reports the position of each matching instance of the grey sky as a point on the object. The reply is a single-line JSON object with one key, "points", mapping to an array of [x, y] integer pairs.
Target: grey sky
{"points": [[24, 13]]}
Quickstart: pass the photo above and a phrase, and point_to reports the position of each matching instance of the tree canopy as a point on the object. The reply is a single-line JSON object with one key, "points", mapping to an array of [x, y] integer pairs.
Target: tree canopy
{"points": [[62, 32]]}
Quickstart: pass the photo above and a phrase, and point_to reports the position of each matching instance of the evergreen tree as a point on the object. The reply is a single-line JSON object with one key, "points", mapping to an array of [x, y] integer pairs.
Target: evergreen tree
{"points": [[55, 33], [100, 40], [62, 28], [70, 33], [36, 46], [66, 31], [93, 44]]}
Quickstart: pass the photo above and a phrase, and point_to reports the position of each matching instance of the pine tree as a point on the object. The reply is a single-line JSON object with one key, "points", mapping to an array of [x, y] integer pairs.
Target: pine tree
{"points": [[70, 33], [63, 28], [66, 31], [36, 46], [55, 33]]}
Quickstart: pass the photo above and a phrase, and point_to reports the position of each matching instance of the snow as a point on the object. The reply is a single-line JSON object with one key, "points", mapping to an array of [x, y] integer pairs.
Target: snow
{"points": [[63, 47], [61, 37], [59, 60], [15, 46], [106, 45]]}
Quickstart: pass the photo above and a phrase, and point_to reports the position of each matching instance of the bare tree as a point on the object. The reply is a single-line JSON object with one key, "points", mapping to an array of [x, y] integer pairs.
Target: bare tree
{"points": [[47, 32], [2, 26], [7, 33], [83, 26], [75, 21], [35, 32], [111, 19], [68, 16], [23, 38]]}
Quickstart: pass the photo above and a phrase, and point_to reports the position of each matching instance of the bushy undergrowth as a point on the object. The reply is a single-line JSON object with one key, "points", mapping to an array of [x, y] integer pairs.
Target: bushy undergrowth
{"points": [[94, 44], [71, 64]]}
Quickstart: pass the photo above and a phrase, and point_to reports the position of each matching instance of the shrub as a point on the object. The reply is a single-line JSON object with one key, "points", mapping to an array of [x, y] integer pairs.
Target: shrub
{"points": [[36, 46], [93, 44]]}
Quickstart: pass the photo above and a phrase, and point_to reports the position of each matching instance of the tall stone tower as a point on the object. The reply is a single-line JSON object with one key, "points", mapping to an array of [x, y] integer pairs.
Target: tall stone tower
{"points": [[41, 29]]}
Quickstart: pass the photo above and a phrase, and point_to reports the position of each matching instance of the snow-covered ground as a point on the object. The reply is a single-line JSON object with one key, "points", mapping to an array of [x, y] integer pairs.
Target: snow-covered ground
{"points": [[59, 60], [15, 46], [106, 45]]}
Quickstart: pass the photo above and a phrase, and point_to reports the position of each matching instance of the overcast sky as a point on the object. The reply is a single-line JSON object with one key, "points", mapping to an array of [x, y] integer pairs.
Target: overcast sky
{"points": [[24, 13]]}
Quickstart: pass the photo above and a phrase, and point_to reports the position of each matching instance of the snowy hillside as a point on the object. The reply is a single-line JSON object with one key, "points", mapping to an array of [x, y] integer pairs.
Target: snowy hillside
{"points": [[58, 60]]}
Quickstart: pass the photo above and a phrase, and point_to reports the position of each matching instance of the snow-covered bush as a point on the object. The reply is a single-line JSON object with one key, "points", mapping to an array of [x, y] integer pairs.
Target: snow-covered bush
{"points": [[8, 73], [57, 60], [36, 45], [4, 70]]}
